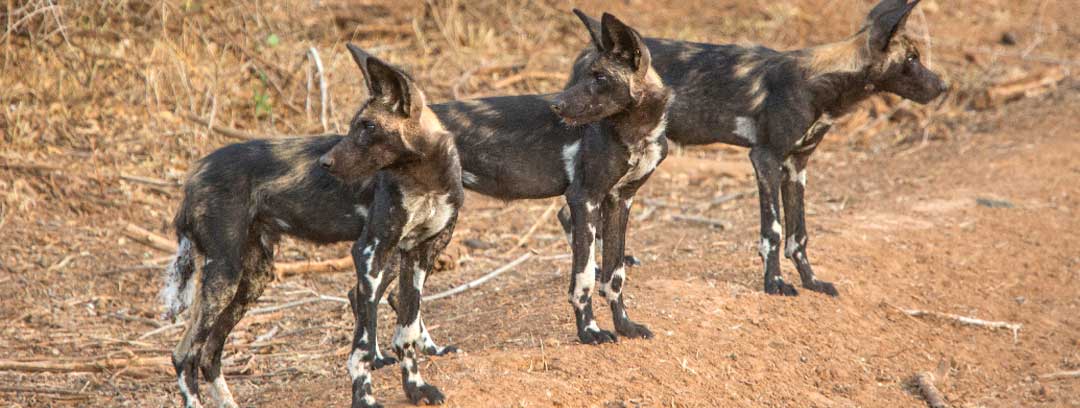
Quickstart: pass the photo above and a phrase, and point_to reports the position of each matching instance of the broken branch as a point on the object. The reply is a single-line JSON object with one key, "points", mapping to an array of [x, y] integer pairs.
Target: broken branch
{"points": [[480, 281], [1015, 327], [925, 381]]}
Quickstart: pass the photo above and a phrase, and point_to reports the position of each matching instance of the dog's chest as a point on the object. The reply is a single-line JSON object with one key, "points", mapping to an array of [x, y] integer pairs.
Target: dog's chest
{"points": [[426, 215], [642, 161]]}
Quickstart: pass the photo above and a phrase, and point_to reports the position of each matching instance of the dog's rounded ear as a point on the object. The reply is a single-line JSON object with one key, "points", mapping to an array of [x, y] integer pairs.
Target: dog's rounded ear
{"points": [[388, 85], [593, 26], [885, 20], [624, 43]]}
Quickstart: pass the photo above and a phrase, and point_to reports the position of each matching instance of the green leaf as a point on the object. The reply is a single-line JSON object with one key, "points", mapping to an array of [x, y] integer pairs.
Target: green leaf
{"points": [[273, 40]]}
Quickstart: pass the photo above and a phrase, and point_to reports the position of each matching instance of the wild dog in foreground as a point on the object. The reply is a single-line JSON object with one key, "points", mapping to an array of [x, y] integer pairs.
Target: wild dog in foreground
{"points": [[241, 198], [780, 104], [595, 143]]}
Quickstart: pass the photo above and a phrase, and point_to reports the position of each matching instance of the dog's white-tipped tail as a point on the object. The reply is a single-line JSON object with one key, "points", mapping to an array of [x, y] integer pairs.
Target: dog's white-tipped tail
{"points": [[177, 292]]}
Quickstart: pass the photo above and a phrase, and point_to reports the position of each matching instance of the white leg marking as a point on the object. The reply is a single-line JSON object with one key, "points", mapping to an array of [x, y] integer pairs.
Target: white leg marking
{"points": [[585, 280], [745, 128], [419, 276], [187, 393], [221, 394], [801, 178], [356, 365], [790, 246], [609, 292], [373, 281], [360, 210], [765, 248], [569, 156], [776, 227]]}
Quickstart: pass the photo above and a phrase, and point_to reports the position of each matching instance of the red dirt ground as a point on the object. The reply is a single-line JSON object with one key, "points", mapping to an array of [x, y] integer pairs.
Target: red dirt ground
{"points": [[896, 221]]}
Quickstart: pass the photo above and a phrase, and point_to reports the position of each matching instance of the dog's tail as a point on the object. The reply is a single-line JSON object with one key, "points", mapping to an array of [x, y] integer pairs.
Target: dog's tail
{"points": [[177, 292]]}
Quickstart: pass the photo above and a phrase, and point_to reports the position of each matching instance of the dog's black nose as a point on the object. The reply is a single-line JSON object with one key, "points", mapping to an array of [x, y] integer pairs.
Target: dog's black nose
{"points": [[556, 107], [326, 162]]}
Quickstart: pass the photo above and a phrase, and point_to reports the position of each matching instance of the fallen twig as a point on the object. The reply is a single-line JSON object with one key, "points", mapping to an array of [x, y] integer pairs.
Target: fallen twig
{"points": [[543, 217], [303, 267], [1060, 375], [313, 54], [148, 238], [36, 390], [925, 381], [295, 303], [148, 180], [1015, 327], [100, 365], [513, 79], [480, 281], [225, 131], [730, 197], [702, 220]]}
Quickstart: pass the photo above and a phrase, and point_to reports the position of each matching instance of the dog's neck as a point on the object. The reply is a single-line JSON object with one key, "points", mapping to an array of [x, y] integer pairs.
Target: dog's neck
{"points": [[838, 74], [431, 170], [639, 122]]}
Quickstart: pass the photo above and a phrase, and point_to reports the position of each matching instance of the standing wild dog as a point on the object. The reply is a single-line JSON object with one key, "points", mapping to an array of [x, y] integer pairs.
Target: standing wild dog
{"points": [[596, 144], [780, 105], [241, 198], [411, 218]]}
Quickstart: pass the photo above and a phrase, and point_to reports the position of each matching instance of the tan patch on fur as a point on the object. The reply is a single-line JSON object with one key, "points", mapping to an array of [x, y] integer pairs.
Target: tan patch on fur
{"points": [[289, 151], [839, 57]]}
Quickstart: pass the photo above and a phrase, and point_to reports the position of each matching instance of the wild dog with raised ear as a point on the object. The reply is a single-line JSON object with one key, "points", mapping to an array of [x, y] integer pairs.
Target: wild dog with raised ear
{"points": [[411, 219], [780, 105], [241, 198], [595, 144]]}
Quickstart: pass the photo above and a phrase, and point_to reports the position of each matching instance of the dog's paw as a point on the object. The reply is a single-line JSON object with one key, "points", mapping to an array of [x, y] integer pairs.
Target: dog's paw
{"points": [[779, 287], [441, 351], [596, 336], [822, 287], [381, 361], [424, 393], [631, 260], [633, 330]]}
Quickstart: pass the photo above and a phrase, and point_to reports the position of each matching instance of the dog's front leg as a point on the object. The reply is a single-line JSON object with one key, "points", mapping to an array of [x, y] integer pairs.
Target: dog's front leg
{"points": [[370, 254], [616, 211], [409, 335], [767, 170], [585, 214], [794, 187]]}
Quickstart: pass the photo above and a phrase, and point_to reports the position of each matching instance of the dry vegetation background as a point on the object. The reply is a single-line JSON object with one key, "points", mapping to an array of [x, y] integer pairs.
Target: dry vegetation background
{"points": [[105, 104]]}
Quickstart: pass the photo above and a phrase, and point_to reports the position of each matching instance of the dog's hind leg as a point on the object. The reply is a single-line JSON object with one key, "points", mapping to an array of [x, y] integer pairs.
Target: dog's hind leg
{"points": [[218, 285], [258, 265], [616, 210], [793, 189]]}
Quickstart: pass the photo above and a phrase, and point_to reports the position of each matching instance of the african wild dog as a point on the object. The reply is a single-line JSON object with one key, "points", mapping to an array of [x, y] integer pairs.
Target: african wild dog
{"points": [[412, 217], [595, 144], [241, 198], [780, 105]]}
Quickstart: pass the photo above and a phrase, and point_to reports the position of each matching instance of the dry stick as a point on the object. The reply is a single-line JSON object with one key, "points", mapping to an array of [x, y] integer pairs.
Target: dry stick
{"points": [[34, 390], [159, 242], [105, 364], [225, 131], [1060, 375], [480, 281], [148, 238], [513, 79], [543, 217], [934, 399], [701, 220], [1015, 327], [313, 54], [730, 197], [148, 180]]}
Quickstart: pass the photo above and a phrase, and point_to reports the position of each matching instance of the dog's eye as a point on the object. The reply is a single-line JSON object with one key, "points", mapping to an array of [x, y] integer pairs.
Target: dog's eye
{"points": [[367, 125], [912, 58], [599, 76]]}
